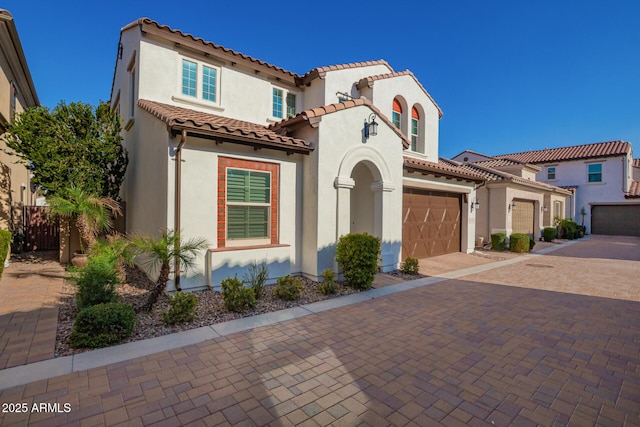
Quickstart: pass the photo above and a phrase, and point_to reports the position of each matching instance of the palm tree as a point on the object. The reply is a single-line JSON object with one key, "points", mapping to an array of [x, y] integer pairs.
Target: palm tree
{"points": [[92, 214], [164, 252]]}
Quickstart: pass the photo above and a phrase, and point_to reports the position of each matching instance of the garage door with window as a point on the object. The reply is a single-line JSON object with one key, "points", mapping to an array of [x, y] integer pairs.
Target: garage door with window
{"points": [[431, 223], [615, 220], [522, 217]]}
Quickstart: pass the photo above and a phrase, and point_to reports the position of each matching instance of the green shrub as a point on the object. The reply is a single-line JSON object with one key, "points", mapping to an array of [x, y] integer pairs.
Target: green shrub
{"points": [[519, 242], [103, 325], [357, 255], [183, 306], [549, 233], [5, 240], [236, 297], [328, 284], [410, 266], [532, 243], [498, 241], [567, 229], [96, 281], [288, 288], [256, 277], [119, 249]]}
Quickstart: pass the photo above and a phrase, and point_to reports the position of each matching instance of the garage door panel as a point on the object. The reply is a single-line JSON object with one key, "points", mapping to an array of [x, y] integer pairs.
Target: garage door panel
{"points": [[431, 223], [522, 217], [616, 220]]}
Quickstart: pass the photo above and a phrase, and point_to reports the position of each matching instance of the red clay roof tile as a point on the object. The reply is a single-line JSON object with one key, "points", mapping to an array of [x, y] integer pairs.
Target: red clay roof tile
{"points": [[634, 191], [442, 168], [586, 151], [211, 124]]}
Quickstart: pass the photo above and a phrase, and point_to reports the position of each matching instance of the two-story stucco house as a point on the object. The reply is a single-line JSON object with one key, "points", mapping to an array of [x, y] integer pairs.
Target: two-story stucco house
{"points": [[17, 93], [271, 165], [602, 177]]}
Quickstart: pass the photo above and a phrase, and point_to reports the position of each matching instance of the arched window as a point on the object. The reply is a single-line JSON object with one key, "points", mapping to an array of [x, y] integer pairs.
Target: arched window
{"points": [[396, 114], [415, 126]]}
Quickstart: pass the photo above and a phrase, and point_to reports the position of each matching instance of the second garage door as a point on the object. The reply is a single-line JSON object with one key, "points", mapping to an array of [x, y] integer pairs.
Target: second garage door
{"points": [[617, 220], [431, 223], [522, 217]]}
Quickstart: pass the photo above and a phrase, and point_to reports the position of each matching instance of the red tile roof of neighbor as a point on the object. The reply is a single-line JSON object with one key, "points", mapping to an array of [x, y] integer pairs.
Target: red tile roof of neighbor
{"points": [[223, 128], [441, 169], [636, 163], [496, 163], [491, 174], [634, 191], [586, 151], [369, 82], [314, 115]]}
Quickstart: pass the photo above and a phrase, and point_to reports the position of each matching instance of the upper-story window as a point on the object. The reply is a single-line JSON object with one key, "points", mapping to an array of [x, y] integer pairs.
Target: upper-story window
{"points": [[396, 114], [595, 172], [199, 80], [415, 126], [282, 103], [551, 173]]}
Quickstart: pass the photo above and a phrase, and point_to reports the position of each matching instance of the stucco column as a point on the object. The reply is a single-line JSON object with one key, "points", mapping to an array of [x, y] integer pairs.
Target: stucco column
{"points": [[343, 186], [389, 250]]}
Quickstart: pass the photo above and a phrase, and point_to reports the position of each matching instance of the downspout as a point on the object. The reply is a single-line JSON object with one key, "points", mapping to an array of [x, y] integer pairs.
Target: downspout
{"points": [[177, 205]]}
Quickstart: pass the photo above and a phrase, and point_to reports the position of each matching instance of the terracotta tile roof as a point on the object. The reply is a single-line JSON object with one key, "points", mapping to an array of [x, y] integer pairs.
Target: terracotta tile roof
{"points": [[586, 151], [222, 128], [322, 71], [148, 25], [636, 163], [369, 81], [493, 163], [491, 174], [634, 191], [314, 115], [441, 168], [571, 188]]}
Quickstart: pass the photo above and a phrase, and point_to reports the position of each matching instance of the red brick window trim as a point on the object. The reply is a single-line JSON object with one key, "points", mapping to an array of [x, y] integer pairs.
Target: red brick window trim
{"points": [[272, 168]]}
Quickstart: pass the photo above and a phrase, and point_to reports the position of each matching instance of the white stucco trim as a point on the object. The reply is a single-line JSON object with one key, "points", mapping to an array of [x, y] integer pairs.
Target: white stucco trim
{"points": [[381, 172]]}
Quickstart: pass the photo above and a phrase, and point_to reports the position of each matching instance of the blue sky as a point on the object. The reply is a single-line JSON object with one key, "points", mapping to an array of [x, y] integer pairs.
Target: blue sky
{"points": [[509, 75]]}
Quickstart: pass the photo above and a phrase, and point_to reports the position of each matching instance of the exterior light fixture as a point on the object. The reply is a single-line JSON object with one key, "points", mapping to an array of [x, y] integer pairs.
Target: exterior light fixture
{"points": [[544, 209], [512, 206], [475, 204], [370, 126]]}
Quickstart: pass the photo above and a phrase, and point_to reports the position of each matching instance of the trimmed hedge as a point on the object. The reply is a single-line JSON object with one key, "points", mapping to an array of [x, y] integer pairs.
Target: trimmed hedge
{"points": [[519, 243], [498, 241], [357, 255], [5, 241], [288, 288], [549, 233], [103, 325]]}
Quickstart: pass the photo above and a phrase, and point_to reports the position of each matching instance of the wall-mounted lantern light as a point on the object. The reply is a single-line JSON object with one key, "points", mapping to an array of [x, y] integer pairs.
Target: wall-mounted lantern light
{"points": [[512, 206], [475, 204], [543, 208], [370, 126]]}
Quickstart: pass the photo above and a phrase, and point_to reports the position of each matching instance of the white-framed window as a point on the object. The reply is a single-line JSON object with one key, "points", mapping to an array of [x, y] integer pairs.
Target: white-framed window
{"points": [[248, 203], [283, 103], [396, 113], [199, 81], [415, 126], [557, 209], [594, 172], [133, 96], [551, 173]]}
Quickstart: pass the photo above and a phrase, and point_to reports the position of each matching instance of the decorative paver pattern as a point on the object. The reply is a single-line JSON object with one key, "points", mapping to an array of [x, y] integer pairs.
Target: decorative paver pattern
{"points": [[460, 352], [28, 311]]}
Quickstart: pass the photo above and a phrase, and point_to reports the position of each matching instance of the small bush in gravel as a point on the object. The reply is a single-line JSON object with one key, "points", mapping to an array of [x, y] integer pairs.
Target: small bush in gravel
{"points": [[410, 266], [236, 297], [256, 277], [96, 281], [103, 325], [183, 306], [549, 233], [288, 288], [498, 241], [328, 284], [357, 255]]}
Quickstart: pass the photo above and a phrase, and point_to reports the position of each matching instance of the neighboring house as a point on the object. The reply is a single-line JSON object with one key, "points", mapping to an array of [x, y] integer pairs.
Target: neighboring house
{"points": [[512, 201], [267, 164], [603, 176], [17, 93]]}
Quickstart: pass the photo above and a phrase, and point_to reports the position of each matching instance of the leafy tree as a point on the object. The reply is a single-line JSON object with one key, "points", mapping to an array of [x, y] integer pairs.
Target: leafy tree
{"points": [[162, 252], [72, 145]]}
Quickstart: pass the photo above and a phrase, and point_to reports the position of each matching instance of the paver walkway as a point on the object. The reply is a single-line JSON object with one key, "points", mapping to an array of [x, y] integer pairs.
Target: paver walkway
{"points": [[460, 352], [28, 310]]}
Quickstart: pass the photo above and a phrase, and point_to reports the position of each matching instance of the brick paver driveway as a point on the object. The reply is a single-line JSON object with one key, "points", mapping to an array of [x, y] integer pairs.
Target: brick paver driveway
{"points": [[460, 352]]}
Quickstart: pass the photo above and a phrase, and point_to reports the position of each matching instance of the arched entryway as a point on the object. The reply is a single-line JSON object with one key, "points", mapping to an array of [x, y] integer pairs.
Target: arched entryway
{"points": [[362, 206]]}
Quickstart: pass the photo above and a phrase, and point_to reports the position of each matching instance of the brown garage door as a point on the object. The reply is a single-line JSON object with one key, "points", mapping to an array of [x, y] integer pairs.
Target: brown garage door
{"points": [[522, 217], [617, 220], [431, 223]]}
